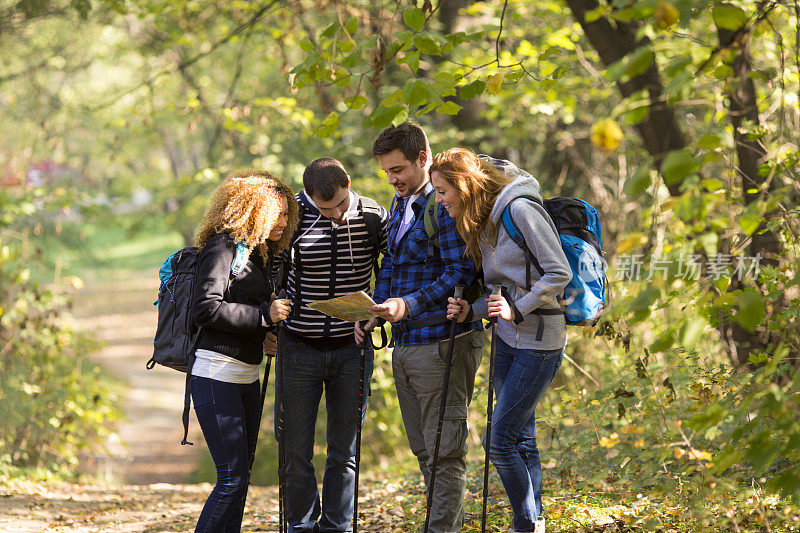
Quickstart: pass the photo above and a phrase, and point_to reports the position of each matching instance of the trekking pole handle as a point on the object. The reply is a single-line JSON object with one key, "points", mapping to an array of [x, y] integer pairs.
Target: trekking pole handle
{"points": [[497, 291], [458, 292]]}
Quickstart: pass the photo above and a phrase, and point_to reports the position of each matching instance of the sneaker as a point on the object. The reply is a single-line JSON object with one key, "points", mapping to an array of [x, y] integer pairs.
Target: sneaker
{"points": [[538, 527]]}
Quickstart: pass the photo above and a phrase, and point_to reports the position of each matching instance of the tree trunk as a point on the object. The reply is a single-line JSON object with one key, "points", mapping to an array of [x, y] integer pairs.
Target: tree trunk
{"points": [[742, 105], [659, 130], [661, 133]]}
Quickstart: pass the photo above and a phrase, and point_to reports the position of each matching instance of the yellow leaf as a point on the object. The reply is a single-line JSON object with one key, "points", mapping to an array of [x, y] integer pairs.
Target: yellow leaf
{"points": [[632, 242], [75, 281], [679, 452], [606, 135], [699, 454], [666, 15], [494, 83], [610, 441]]}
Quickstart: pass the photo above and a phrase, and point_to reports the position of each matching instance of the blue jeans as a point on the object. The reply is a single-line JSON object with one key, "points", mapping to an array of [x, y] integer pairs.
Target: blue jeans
{"points": [[307, 370], [228, 416], [520, 380]]}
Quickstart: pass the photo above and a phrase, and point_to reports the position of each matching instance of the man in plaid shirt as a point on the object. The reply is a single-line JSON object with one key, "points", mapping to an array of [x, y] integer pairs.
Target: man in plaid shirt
{"points": [[411, 292]]}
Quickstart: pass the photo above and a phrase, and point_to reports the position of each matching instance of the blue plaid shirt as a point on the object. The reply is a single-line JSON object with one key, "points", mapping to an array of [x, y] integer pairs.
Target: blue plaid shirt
{"points": [[424, 288]]}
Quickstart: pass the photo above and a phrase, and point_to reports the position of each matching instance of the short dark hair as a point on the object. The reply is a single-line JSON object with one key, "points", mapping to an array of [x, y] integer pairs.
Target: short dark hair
{"points": [[408, 137], [324, 177]]}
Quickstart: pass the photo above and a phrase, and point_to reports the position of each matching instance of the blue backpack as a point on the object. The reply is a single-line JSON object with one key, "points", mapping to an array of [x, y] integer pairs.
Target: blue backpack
{"points": [[578, 225]]}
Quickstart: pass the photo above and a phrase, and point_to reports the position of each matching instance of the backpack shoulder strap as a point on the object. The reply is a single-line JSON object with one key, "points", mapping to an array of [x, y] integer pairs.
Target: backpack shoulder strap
{"points": [[371, 212], [431, 219], [372, 218], [513, 232]]}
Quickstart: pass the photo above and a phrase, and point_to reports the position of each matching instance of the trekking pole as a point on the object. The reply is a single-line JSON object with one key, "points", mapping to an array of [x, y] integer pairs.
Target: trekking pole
{"points": [[282, 526], [489, 409], [363, 346], [258, 427], [442, 404]]}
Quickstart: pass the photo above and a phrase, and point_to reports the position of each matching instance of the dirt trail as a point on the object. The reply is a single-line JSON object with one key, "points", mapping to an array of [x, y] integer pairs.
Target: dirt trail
{"points": [[141, 480], [119, 311]]}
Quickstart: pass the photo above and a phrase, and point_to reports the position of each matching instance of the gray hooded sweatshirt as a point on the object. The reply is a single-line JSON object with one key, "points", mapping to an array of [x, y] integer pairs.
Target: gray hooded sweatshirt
{"points": [[504, 264]]}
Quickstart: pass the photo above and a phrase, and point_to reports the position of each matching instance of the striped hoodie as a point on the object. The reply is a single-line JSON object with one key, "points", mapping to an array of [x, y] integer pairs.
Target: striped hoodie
{"points": [[335, 260]]}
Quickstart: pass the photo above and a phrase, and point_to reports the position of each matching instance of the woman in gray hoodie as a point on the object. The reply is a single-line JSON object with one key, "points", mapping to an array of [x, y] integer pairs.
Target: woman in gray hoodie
{"points": [[531, 329]]}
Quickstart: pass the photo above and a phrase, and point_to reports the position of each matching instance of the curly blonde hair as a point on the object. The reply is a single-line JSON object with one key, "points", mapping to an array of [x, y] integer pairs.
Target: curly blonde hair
{"points": [[247, 205], [478, 184]]}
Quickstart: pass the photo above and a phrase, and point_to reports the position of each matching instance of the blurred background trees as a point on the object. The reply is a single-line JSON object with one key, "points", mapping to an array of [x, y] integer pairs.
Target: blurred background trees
{"points": [[678, 119]]}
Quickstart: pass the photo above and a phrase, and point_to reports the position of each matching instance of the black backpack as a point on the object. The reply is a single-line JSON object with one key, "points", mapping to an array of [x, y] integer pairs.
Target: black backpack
{"points": [[176, 333]]}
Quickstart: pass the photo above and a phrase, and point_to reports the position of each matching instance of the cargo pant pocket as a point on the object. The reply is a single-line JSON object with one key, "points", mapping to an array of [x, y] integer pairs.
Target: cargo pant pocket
{"points": [[453, 442]]}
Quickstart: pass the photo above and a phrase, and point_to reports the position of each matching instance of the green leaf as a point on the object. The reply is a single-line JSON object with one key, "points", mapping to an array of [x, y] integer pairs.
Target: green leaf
{"points": [[709, 141], [547, 53], [426, 45], [637, 114], [640, 61], [712, 185], [306, 45], [416, 92], [596, 13], [677, 165], [330, 31], [751, 218], [448, 108], [412, 60], [691, 331], [560, 72], [356, 102], [729, 17], [346, 45], [639, 183], [751, 310], [711, 416], [665, 341], [472, 90], [445, 84], [414, 18], [383, 116], [642, 304], [351, 25]]}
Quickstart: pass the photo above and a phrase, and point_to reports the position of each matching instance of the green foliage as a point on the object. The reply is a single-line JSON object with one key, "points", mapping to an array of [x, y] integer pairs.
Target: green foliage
{"points": [[55, 403]]}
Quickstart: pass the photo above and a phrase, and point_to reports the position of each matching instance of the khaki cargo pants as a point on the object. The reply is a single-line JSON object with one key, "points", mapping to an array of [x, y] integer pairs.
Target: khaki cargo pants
{"points": [[418, 376]]}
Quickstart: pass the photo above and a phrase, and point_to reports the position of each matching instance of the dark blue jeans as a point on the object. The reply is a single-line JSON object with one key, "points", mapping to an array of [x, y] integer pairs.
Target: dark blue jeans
{"points": [[306, 371], [228, 415], [520, 380]]}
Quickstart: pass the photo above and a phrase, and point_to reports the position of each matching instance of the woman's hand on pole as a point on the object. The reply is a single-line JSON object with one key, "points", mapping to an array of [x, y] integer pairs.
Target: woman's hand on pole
{"points": [[458, 308], [499, 307]]}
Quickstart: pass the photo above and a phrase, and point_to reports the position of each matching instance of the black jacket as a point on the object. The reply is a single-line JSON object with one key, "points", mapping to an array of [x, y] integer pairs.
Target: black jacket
{"points": [[227, 307]]}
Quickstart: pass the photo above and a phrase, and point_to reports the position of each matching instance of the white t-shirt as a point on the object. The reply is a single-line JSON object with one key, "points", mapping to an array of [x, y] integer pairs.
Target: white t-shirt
{"points": [[408, 214], [214, 365]]}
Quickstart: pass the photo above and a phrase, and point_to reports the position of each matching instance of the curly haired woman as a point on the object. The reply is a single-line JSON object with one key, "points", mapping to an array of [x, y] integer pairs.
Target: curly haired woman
{"points": [[251, 218], [532, 332]]}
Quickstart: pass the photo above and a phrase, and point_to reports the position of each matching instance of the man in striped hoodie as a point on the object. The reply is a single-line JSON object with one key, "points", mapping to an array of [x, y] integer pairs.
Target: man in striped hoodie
{"points": [[339, 237]]}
